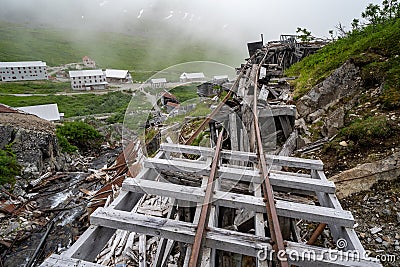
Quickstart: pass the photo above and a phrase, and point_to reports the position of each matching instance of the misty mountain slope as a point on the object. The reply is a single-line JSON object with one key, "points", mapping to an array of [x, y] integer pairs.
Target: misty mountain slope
{"points": [[145, 50]]}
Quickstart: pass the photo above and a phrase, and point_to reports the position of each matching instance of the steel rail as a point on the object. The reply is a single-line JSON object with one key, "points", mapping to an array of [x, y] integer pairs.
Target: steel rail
{"points": [[273, 221], [205, 209]]}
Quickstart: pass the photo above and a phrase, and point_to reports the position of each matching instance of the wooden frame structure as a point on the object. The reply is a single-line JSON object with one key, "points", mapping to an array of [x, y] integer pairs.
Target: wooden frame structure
{"points": [[151, 181], [187, 182]]}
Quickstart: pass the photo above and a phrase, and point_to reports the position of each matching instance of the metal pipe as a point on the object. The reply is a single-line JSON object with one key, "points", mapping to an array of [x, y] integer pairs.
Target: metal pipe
{"points": [[318, 231]]}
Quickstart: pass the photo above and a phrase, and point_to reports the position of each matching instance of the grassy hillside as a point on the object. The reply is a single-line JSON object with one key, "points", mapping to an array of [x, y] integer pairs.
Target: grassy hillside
{"points": [[75, 105], [140, 53], [376, 49]]}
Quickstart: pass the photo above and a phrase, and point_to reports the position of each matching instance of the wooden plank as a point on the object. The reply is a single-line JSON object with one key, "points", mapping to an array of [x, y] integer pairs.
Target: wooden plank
{"points": [[217, 238], [240, 174], [162, 251], [180, 231], [278, 110], [61, 261], [142, 250], [284, 126], [246, 156], [259, 222], [239, 201]]}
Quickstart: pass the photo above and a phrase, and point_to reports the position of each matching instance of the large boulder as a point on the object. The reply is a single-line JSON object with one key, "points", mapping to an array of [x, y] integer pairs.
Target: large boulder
{"points": [[34, 141], [343, 82], [364, 176]]}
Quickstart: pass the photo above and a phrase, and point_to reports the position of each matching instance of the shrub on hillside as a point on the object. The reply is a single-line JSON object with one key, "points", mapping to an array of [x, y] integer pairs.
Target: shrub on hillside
{"points": [[9, 167], [79, 134]]}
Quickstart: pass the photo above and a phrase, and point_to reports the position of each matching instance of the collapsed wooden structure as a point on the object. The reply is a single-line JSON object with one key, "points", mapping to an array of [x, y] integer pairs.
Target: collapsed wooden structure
{"points": [[202, 189]]}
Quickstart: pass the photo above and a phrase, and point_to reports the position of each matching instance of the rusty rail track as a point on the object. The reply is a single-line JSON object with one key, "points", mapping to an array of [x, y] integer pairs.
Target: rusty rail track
{"points": [[273, 221], [205, 209]]}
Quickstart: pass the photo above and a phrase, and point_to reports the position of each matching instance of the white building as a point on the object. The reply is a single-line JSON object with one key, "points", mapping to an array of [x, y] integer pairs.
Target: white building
{"points": [[88, 80], [192, 77], [23, 71], [48, 112], [118, 76], [158, 83], [220, 78], [87, 62]]}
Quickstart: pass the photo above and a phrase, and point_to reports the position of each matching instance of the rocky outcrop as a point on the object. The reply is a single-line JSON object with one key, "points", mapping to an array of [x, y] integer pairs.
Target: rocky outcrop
{"points": [[363, 177], [34, 142], [343, 82], [320, 104]]}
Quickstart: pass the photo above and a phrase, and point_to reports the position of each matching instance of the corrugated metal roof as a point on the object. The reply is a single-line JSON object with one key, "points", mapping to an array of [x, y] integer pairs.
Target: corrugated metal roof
{"points": [[22, 64], [48, 112], [7, 109], [168, 95], [83, 73], [159, 80], [119, 74], [194, 75]]}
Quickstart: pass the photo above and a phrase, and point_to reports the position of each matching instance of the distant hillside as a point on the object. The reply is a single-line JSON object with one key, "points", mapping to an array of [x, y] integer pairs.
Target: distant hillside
{"points": [[140, 52], [375, 49]]}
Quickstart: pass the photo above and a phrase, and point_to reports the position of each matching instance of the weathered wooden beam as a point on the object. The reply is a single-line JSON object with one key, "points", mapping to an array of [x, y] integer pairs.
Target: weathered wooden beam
{"points": [[246, 156], [180, 231], [286, 180], [222, 239], [259, 223], [277, 110], [61, 261], [142, 250], [240, 201]]}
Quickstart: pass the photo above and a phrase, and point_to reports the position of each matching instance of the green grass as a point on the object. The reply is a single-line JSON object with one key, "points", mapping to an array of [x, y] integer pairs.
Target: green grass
{"points": [[38, 87], [142, 55], [374, 43], [202, 109], [364, 131], [185, 92], [75, 105]]}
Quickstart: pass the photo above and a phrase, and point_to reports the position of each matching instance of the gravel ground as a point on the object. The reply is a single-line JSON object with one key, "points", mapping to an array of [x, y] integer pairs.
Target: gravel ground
{"points": [[26, 121], [377, 213]]}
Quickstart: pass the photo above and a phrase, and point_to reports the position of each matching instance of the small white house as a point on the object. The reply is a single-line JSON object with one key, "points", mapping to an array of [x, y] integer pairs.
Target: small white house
{"points": [[23, 71], [118, 76], [88, 80], [158, 83], [192, 77], [48, 112], [87, 62]]}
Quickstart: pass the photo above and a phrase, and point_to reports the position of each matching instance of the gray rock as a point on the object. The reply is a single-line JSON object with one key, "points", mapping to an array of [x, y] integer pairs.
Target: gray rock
{"points": [[343, 82], [36, 149], [375, 230], [378, 240], [398, 217]]}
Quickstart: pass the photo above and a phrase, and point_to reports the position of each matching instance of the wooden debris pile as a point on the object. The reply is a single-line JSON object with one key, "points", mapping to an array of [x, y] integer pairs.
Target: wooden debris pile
{"points": [[133, 249]]}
